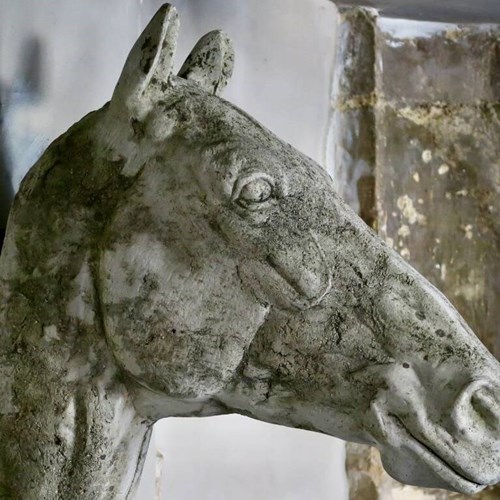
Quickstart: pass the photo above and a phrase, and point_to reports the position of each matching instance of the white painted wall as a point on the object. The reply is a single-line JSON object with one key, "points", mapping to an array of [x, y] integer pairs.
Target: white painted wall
{"points": [[284, 51]]}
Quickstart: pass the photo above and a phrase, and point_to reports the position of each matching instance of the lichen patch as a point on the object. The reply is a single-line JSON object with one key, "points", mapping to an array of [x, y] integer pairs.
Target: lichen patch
{"points": [[409, 212]]}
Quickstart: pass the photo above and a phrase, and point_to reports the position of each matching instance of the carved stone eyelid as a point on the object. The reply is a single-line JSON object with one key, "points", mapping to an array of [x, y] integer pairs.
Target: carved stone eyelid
{"points": [[245, 179]]}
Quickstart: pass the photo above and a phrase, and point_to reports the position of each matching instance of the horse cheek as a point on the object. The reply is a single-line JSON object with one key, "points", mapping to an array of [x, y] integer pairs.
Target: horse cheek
{"points": [[176, 328]]}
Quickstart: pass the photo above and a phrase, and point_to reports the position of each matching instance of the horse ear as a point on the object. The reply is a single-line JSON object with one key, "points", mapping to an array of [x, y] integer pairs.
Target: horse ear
{"points": [[210, 63], [149, 65]]}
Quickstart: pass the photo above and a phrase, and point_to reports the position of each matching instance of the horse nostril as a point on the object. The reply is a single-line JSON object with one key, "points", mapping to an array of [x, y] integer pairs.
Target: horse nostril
{"points": [[485, 405], [477, 400]]}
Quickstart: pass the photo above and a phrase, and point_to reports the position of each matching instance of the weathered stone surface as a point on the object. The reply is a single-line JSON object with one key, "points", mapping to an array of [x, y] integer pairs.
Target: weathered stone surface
{"points": [[169, 256], [457, 66], [452, 11], [353, 128], [438, 187]]}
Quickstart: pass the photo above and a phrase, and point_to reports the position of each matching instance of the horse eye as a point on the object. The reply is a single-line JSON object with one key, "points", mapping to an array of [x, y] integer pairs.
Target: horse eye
{"points": [[254, 192]]}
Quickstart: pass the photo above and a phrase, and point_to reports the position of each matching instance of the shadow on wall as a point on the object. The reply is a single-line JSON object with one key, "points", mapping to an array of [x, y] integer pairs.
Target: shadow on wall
{"points": [[25, 90], [6, 189]]}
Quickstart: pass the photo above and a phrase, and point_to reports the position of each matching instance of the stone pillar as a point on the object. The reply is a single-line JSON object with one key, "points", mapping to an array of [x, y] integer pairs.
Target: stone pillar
{"points": [[353, 126], [435, 127]]}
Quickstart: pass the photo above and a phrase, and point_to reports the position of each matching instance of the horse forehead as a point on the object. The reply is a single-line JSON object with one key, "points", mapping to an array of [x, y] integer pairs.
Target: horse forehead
{"points": [[216, 141], [221, 130], [239, 154]]}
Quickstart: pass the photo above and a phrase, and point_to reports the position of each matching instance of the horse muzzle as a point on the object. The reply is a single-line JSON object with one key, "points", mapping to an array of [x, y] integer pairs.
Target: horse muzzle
{"points": [[458, 452]]}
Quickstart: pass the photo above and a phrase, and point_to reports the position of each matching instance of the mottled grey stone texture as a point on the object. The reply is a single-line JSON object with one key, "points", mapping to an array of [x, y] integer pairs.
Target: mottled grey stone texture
{"points": [[437, 178], [353, 133], [169, 256], [451, 11]]}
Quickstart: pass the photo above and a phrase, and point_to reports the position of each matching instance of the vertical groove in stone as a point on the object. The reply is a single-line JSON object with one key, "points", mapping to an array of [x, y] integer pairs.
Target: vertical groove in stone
{"points": [[353, 134]]}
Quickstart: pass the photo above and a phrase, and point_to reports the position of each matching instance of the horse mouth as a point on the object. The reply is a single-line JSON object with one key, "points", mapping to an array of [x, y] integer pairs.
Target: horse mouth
{"points": [[438, 465]]}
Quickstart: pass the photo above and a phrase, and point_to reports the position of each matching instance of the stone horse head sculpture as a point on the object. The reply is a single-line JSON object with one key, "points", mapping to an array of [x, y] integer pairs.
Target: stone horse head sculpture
{"points": [[169, 256]]}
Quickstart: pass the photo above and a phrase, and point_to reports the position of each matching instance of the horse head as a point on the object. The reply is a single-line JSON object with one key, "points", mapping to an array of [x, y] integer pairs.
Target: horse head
{"points": [[226, 275]]}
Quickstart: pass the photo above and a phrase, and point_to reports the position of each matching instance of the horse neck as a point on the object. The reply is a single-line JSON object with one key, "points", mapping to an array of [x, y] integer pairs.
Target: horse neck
{"points": [[63, 393]]}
